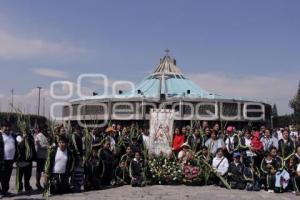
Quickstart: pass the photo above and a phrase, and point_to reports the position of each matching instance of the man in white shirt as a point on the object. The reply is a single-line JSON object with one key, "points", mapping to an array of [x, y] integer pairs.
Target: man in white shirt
{"points": [[7, 156], [59, 167]]}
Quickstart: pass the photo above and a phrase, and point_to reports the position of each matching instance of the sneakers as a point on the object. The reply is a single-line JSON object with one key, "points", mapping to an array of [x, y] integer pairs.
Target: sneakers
{"points": [[271, 191], [297, 193]]}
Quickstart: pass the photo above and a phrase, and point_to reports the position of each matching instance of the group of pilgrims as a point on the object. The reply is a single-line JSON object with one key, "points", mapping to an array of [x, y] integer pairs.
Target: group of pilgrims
{"points": [[80, 159]]}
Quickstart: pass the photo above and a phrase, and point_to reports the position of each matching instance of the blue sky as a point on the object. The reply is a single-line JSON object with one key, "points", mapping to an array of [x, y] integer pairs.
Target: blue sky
{"points": [[248, 48]]}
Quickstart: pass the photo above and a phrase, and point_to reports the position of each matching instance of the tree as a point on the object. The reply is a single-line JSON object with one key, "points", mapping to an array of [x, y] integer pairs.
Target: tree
{"points": [[295, 105], [274, 116], [274, 111]]}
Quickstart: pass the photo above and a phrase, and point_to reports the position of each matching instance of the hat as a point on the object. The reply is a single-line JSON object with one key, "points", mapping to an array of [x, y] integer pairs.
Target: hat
{"points": [[229, 129], [236, 154], [185, 145], [109, 129]]}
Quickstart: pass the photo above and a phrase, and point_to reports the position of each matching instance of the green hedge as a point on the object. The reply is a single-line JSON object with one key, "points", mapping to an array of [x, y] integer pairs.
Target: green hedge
{"points": [[13, 119]]}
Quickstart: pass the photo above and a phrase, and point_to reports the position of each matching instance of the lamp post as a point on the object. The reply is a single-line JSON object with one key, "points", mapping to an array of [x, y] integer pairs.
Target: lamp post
{"points": [[39, 99]]}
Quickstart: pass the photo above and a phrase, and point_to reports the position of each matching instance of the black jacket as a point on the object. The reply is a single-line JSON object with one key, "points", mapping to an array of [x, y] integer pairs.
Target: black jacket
{"points": [[236, 172], [276, 163], [286, 149], [51, 161], [195, 142], [23, 149], [136, 168]]}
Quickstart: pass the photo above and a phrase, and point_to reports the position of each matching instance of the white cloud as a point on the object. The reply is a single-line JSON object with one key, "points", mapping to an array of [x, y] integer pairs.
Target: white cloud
{"points": [[28, 102], [272, 88], [15, 47], [52, 73]]}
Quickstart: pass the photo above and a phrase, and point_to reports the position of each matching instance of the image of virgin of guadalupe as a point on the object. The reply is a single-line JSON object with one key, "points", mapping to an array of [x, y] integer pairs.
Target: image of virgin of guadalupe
{"points": [[162, 134], [161, 140]]}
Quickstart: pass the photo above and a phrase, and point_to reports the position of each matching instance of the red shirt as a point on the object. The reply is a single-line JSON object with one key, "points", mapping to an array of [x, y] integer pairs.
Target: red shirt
{"points": [[256, 143], [178, 141]]}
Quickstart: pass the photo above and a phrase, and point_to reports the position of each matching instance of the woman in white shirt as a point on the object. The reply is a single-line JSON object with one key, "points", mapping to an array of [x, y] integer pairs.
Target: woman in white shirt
{"points": [[220, 165]]}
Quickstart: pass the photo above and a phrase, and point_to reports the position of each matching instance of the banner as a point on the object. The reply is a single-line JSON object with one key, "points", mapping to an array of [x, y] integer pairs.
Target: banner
{"points": [[161, 131]]}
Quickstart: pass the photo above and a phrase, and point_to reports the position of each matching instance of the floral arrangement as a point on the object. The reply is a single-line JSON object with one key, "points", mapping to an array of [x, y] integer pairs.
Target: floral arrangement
{"points": [[192, 174], [163, 170]]}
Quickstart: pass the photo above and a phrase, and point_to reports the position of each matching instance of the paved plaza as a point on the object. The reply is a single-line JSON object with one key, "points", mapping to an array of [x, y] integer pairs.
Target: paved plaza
{"points": [[159, 192]]}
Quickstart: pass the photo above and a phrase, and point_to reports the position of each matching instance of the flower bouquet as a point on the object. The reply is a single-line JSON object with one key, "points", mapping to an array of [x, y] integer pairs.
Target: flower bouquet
{"points": [[165, 171]]}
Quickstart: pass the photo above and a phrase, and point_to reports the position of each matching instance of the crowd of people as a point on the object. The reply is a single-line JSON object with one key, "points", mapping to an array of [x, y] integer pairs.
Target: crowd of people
{"points": [[81, 159]]}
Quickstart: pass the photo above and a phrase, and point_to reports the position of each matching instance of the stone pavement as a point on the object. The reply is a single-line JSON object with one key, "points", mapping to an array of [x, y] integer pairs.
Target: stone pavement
{"points": [[159, 192]]}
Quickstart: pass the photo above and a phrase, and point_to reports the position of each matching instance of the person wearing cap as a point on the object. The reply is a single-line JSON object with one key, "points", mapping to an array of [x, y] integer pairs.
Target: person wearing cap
{"points": [[231, 142], [59, 167], [235, 173], [8, 153], [185, 154], [93, 170]]}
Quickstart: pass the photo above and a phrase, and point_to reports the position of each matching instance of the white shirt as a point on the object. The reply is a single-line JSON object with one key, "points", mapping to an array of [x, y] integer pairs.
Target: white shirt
{"points": [[279, 135], [146, 141], [41, 145], [249, 153], [229, 140], [214, 145], [112, 143], [61, 159], [223, 166], [9, 146], [298, 168]]}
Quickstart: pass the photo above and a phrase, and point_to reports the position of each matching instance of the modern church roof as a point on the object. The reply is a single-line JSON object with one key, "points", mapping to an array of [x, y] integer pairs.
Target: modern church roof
{"points": [[168, 79]]}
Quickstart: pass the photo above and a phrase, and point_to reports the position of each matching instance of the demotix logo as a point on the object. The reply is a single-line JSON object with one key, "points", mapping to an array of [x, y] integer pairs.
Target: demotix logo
{"points": [[253, 111]]}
